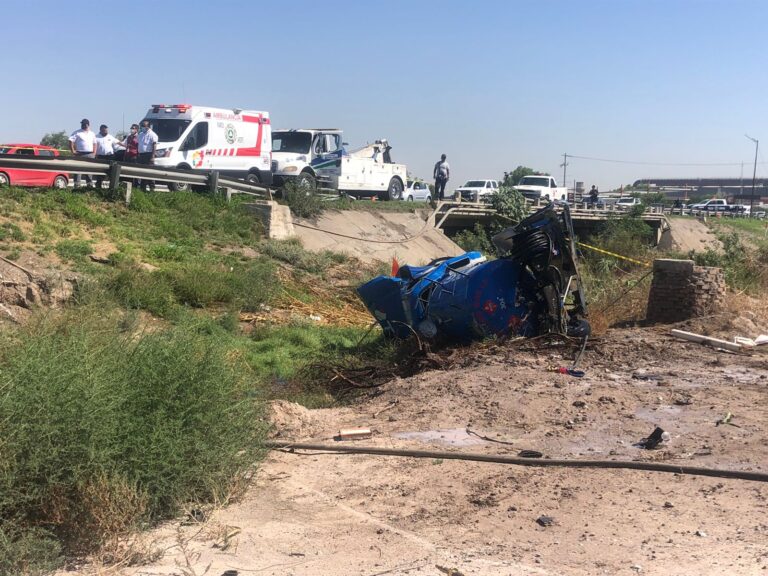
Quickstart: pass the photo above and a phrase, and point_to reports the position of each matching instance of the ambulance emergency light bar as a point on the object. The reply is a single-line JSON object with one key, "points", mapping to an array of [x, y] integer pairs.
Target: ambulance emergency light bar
{"points": [[170, 107]]}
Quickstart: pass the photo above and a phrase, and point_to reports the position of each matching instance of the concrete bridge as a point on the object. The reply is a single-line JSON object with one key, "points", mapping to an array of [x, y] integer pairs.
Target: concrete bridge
{"points": [[454, 216]]}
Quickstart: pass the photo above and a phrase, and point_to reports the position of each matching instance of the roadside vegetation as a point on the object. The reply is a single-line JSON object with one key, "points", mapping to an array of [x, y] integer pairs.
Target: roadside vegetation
{"points": [[744, 257], [145, 396]]}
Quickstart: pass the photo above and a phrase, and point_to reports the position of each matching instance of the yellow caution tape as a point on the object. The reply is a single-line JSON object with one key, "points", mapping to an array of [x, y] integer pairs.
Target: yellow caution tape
{"points": [[596, 249]]}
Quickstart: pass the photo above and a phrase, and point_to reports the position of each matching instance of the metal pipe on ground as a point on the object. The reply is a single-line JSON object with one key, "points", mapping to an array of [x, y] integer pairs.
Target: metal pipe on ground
{"points": [[537, 462]]}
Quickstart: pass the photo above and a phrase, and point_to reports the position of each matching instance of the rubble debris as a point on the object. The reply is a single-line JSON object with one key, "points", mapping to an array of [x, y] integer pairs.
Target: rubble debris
{"points": [[449, 571], [533, 288], [701, 339], [530, 454], [751, 342], [354, 434], [570, 371], [644, 375], [657, 437], [545, 521], [727, 420]]}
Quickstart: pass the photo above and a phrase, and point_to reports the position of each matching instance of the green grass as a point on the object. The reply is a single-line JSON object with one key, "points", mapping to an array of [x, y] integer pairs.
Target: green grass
{"points": [[112, 418], [292, 252], [73, 250], [197, 283], [752, 229], [282, 355]]}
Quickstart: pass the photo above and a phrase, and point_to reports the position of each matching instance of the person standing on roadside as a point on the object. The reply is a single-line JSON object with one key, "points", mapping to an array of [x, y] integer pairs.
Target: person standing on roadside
{"points": [[442, 173], [594, 195], [83, 143], [146, 149], [131, 145], [105, 148]]}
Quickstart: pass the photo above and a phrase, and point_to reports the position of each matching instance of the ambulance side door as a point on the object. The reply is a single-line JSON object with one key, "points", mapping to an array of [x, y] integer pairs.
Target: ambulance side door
{"points": [[193, 147]]}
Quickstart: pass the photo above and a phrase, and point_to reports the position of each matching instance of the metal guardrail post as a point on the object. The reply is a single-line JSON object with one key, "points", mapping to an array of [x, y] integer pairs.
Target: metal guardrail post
{"points": [[213, 181], [114, 176], [228, 191]]}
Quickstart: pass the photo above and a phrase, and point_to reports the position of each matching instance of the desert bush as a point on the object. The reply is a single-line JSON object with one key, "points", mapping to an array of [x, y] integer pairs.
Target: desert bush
{"points": [[744, 267], [478, 239], [302, 199], [119, 428], [509, 203], [626, 235]]}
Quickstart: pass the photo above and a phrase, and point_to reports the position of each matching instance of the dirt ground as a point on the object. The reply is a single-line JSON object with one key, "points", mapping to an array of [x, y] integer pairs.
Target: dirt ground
{"points": [[689, 234], [330, 514], [403, 235]]}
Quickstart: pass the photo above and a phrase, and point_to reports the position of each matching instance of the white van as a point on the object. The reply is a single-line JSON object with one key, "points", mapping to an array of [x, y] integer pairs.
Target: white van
{"points": [[235, 142]]}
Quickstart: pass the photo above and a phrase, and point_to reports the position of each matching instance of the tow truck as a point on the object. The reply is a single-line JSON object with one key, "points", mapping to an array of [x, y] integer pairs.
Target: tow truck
{"points": [[318, 156]]}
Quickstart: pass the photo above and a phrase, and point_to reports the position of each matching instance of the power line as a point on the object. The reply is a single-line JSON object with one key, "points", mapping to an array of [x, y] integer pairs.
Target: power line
{"points": [[657, 163]]}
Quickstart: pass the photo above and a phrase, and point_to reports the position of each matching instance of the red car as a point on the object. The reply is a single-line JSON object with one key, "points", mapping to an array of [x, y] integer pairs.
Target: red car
{"points": [[21, 177]]}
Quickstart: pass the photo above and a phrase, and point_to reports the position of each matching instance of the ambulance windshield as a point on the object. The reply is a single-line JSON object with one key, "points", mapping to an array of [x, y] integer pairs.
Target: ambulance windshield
{"points": [[295, 142], [168, 129]]}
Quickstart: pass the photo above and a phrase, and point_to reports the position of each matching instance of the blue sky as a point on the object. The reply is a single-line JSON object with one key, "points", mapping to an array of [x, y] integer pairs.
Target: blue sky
{"points": [[493, 84]]}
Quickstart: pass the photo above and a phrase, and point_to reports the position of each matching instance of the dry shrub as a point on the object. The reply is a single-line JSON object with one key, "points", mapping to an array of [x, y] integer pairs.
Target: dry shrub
{"points": [[616, 298]]}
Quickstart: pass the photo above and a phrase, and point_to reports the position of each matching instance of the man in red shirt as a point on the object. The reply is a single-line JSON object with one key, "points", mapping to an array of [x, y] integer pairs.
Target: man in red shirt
{"points": [[131, 144]]}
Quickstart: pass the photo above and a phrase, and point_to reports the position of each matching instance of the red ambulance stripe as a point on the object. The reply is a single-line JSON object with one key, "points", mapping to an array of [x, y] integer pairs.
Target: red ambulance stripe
{"points": [[251, 118], [255, 151]]}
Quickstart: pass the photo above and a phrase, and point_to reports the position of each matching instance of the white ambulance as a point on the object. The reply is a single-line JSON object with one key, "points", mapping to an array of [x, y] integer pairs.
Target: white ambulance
{"points": [[235, 142]]}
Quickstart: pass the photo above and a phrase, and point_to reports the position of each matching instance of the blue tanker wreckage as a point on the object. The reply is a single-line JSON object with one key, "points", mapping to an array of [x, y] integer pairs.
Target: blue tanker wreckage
{"points": [[533, 288]]}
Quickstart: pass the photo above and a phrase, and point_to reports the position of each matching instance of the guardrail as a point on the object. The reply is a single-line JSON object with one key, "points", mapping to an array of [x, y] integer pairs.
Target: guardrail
{"points": [[114, 171], [610, 208]]}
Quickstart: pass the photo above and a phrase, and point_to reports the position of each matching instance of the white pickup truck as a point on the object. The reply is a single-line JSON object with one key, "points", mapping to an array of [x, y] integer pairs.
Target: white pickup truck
{"points": [[541, 188], [476, 190], [719, 205]]}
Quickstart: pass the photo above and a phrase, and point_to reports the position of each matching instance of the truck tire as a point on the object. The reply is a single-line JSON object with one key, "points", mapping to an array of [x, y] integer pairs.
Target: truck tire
{"points": [[394, 190], [179, 186], [253, 179], [306, 180]]}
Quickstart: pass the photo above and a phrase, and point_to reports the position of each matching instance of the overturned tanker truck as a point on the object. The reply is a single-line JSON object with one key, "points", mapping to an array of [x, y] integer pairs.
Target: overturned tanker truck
{"points": [[533, 288]]}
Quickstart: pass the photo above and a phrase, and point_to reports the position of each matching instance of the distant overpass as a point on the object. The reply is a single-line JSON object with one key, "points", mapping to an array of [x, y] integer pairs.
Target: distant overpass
{"points": [[736, 188], [464, 215]]}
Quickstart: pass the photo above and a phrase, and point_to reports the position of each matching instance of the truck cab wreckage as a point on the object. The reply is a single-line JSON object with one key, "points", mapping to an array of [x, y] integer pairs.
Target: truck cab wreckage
{"points": [[532, 288]]}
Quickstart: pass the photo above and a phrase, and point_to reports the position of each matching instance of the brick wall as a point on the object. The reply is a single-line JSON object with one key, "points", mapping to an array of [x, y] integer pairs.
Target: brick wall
{"points": [[681, 290]]}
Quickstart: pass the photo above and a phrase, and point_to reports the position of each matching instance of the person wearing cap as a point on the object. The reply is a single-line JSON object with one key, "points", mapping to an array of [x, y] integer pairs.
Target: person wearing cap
{"points": [[105, 148], [83, 143]]}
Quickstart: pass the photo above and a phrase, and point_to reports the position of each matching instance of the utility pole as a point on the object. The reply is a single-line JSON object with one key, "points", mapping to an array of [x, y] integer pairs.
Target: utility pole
{"points": [[564, 164], [754, 173], [741, 193]]}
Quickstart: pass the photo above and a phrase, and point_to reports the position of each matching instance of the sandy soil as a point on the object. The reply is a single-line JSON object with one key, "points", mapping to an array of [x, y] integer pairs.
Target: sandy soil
{"points": [[330, 514], [690, 234], [403, 235]]}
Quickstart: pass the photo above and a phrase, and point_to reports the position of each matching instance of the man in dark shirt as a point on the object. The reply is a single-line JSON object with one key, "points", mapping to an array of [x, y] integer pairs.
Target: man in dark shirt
{"points": [[442, 173]]}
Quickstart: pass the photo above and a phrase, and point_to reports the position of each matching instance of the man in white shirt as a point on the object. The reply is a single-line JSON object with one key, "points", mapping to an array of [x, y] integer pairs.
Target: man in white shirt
{"points": [[83, 143], [147, 144], [105, 148]]}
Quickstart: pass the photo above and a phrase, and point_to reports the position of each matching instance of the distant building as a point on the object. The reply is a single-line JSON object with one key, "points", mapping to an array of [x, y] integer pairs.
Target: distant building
{"points": [[736, 189]]}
